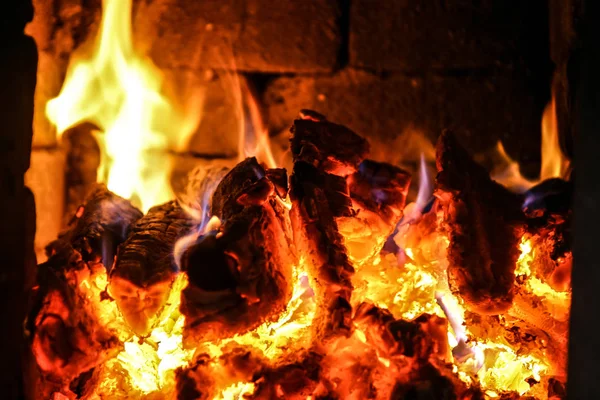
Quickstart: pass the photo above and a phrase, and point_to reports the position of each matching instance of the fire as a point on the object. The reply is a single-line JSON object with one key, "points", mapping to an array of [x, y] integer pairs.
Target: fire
{"points": [[254, 136], [122, 93], [291, 328], [554, 163]]}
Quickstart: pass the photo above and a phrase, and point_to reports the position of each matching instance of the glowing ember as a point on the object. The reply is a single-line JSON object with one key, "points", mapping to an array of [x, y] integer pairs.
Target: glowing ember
{"points": [[378, 321]]}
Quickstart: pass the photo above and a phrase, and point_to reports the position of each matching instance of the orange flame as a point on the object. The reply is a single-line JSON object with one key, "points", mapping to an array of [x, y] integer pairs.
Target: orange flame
{"points": [[121, 92], [254, 136], [554, 163]]}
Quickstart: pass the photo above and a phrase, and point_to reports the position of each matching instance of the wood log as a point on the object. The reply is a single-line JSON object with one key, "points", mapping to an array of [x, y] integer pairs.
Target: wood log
{"points": [[418, 350], [240, 276], [100, 225], [334, 148], [144, 270], [484, 223], [324, 155], [549, 218], [67, 338], [378, 192]]}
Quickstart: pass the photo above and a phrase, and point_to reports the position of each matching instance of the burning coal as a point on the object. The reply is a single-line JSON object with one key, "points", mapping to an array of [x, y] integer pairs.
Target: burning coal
{"points": [[317, 282], [290, 293]]}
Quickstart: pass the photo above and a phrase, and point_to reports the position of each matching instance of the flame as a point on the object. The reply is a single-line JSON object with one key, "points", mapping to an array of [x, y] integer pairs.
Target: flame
{"points": [[148, 364], [425, 186], [254, 136], [121, 92], [420, 285], [533, 283], [236, 391], [554, 163]]}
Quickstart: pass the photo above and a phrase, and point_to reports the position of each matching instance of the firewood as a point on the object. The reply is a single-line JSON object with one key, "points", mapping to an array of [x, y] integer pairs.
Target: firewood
{"points": [[324, 155], [549, 230], [378, 192], [99, 226], [484, 223], [241, 275], [419, 348], [334, 148], [145, 268], [66, 336]]}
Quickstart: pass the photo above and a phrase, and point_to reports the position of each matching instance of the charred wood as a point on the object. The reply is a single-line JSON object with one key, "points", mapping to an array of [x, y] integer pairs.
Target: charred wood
{"points": [[240, 276], [99, 226], [66, 337], [331, 148], [484, 222], [145, 268], [324, 155], [549, 229], [378, 193]]}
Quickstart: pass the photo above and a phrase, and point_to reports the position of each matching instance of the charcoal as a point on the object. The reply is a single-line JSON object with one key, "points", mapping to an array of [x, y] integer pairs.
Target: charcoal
{"points": [[145, 268], [549, 218], [552, 195], [99, 226], [66, 338], [295, 376], [382, 187], [378, 193], [240, 276], [280, 180], [332, 148], [324, 155], [195, 381], [484, 223]]}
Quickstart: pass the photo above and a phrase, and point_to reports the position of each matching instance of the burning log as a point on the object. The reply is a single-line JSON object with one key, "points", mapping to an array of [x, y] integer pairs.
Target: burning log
{"points": [[324, 155], [417, 350], [240, 276], [378, 193], [67, 338], [484, 222], [144, 270], [99, 226], [549, 229], [296, 376]]}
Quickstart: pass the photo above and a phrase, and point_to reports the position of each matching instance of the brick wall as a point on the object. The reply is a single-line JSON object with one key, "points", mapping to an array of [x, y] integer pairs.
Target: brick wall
{"points": [[384, 68]]}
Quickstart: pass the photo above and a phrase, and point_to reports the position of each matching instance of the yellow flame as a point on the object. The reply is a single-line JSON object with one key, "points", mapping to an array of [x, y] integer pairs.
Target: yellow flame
{"points": [[420, 286], [236, 391], [534, 284], [150, 361], [121, 92], [147, 365], [254, 137], [554, 163]]}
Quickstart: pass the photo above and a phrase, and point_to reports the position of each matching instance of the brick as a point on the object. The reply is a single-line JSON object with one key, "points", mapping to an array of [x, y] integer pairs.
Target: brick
{"points": [[249, 35], [58, 27], [218, 109], [46, 179], [421, 34], [388, 110]]}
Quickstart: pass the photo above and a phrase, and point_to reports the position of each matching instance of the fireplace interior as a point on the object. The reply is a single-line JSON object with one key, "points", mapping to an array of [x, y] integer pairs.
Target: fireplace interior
{"points": [[320, 199]]}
